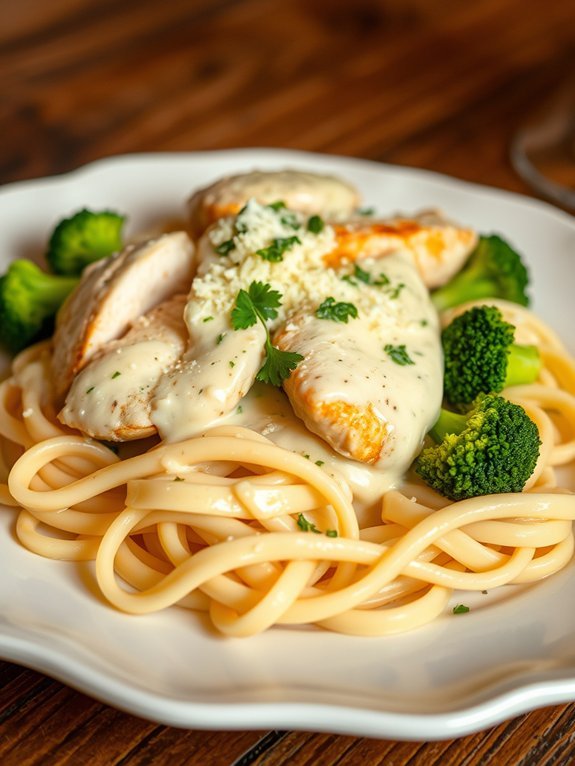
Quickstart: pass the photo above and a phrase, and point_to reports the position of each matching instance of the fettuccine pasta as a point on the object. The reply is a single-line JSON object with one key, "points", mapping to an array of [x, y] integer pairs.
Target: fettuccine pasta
{"points": [[257, 535]]}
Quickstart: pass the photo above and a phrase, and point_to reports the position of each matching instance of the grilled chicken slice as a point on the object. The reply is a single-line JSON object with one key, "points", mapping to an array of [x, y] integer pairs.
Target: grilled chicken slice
{"points": [[112, 294], [110, 398], [308, 193], [370, 387], [438, 247]]}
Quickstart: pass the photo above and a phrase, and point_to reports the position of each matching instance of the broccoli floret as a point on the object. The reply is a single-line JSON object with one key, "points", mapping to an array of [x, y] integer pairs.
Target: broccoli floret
{"points": [[85, 237], [493, 448], [493, 270], [481, 356], [29, 300]]}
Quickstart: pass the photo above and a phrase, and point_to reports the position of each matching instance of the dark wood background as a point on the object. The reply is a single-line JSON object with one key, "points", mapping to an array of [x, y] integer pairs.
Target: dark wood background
{"points": [[438, 84]]}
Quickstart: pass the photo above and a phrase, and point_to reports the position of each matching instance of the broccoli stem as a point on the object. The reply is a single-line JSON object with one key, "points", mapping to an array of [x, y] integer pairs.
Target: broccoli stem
{"points": [[465, 286], [447, 423], [523, 364]]}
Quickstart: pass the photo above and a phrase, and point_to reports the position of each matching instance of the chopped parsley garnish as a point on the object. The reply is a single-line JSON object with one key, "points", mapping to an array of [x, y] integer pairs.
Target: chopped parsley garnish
{"points": [[337, 312], [261, 303], [240, 226], [315, 224], [207, 319], [361, 275], [398, 354], [288, 218], [239, 409], [178, 478], [220, 338], [278, 247], [460, 609], [89, 390], [393, 292], [320, 462], [306, 526], [116, 374], [226, 247], [366, 211], [231, 363]]}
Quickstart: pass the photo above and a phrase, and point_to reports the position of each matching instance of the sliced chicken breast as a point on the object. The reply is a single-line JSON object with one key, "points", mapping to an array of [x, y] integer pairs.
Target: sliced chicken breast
{"points": [[110, 398], [308, 193], [438, 247], [112, 294], [370, 387]]}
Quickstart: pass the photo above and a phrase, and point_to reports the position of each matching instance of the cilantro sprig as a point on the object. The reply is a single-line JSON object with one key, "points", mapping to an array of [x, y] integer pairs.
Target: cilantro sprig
{"points": [[336, 311], [260, 302]]}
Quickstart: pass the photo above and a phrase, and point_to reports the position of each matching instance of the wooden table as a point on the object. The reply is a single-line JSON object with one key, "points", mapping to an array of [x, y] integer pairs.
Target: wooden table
{"points": [[438, 85]]}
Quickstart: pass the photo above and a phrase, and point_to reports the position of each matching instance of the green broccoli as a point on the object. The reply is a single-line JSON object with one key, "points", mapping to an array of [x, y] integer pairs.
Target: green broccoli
{"points": [[85, 237], [493, 270], [29, 300], [481, 356], [493, 448]]}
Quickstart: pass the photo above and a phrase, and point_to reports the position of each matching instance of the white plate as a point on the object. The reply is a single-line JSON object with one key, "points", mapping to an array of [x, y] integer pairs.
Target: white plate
{"points": [[455, 676]]}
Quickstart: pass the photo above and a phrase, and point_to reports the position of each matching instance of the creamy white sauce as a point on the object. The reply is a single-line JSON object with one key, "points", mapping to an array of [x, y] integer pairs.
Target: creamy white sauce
{"points": [[209, 381], [115, 391]]}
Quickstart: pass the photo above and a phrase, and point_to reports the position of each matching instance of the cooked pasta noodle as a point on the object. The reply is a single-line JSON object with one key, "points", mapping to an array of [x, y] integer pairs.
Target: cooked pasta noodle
{"points": [[211, 523]]}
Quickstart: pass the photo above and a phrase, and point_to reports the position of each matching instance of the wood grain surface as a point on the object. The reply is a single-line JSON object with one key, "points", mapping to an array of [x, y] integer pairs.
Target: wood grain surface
{"points": [[438, 84]]}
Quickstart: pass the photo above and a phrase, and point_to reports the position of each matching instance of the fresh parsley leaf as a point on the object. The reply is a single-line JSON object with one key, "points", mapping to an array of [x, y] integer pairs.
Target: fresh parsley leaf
{"points": [[89, 390], [116, 374], [331, 532], [275, 251], [278, 364], [337, 312], [305, 525], [366, 211], [226, 247], [244, 313], [460, 609], [315, 224], [277, 205], [398, 354], [220, 338], [261, 302], [207, 319]]}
